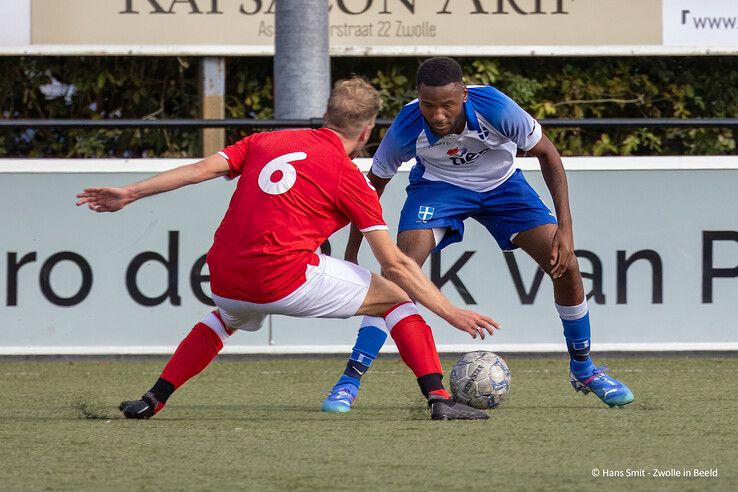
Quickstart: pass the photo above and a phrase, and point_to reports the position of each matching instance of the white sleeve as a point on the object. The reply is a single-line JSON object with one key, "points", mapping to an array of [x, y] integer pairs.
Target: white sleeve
{"points": [[533, 137], [386, 161], [398, 144]]}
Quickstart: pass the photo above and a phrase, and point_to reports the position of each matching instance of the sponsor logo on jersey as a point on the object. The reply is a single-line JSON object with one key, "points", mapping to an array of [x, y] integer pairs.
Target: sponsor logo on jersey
{"points": [[463, 156], [425, 213]]}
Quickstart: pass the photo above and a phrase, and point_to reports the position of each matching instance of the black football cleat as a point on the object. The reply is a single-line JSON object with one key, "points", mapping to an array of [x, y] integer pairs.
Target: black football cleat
{"points": [[443, 409], [144, 408]]}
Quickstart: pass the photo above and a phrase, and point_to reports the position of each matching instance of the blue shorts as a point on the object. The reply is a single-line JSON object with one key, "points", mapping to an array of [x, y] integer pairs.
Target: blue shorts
{"points": [[512, 207]]}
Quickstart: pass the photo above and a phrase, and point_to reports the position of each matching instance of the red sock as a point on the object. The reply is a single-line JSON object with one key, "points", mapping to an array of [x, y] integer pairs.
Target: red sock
{"points": [[442, 393], [414, 340], [194, 353]]}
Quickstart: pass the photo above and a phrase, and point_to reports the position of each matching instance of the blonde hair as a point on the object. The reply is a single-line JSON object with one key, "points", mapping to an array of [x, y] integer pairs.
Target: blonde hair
{"points": [[352, 106]]}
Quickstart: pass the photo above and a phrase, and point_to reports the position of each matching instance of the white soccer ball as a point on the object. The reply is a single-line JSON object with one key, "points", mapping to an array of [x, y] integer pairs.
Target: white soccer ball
{"points": [[480, 379]]}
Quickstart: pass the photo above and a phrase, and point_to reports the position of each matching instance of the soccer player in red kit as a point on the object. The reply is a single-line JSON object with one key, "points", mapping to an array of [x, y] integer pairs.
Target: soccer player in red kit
{"points": [[296, 188]]}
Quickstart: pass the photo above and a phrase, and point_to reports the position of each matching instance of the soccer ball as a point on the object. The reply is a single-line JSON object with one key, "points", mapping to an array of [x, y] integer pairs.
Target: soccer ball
{"points": [[480, 379]]}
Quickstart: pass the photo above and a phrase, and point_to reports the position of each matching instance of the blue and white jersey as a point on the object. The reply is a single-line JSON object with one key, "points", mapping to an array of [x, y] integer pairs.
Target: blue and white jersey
{"points": [[480, 159]]}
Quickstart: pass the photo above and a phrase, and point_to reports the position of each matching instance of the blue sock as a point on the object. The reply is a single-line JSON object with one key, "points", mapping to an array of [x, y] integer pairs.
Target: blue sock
{"points": [[577, 333], [367, 346]]}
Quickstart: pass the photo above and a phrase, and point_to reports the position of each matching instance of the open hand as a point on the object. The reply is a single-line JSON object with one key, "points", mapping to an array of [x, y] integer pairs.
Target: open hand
{"points": [[473, 323], [105, 199]]}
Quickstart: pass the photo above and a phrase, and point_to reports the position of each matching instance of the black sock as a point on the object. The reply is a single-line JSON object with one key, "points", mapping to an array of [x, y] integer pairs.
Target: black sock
{"points": [[355, 369], [162, 390], [430, 382]]}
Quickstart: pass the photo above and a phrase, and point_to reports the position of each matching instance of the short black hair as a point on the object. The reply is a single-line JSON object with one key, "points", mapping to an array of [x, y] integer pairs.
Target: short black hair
{"points": [[438, 71]]}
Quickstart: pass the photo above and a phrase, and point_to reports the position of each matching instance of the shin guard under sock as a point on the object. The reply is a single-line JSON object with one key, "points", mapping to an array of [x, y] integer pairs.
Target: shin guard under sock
{"points": [[194, 353], [368, 343], [577, 333], [414, 340]]}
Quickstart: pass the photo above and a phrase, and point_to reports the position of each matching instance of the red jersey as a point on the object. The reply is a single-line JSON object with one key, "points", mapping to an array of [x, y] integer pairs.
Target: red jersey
{"points": [[297, 187]]}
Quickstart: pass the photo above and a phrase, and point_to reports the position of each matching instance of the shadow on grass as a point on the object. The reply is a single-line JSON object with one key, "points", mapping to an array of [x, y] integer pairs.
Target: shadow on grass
{"points": [[88, 409], [293, 413]]}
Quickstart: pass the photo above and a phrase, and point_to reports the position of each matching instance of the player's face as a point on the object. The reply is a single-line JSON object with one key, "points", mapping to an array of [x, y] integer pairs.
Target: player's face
{"points": [[443, 107]]}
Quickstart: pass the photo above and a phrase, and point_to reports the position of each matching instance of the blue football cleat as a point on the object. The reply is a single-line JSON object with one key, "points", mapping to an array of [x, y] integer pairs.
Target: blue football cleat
{"points": [[340, 398], [608, 389]]}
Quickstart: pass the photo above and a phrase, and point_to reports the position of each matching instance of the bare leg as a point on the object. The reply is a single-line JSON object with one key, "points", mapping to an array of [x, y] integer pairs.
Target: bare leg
{"points": [[383, 294], [568, 295], [417, 244], [572, 307], [568, 289]]}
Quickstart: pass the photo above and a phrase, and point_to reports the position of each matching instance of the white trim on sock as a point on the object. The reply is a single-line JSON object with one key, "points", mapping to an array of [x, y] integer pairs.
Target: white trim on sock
{"points": [[399, 313], [215, 324], [375, 321], [572, 313]]}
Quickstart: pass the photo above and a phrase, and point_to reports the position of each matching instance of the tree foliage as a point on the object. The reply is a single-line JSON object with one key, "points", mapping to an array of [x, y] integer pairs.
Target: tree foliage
{"points": [[158, 88]]}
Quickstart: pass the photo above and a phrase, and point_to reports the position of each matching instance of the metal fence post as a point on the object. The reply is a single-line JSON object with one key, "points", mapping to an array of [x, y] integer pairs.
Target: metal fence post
{"points": [[302, 66], [212, 102]]}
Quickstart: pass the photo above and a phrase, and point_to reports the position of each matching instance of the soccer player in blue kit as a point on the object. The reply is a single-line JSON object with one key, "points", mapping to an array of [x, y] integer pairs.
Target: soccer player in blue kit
{"points": [[464, 141]]}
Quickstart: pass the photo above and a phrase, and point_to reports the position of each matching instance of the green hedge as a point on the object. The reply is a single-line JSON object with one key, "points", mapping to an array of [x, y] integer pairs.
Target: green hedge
{"points": [[103, 88], [143, 87]]}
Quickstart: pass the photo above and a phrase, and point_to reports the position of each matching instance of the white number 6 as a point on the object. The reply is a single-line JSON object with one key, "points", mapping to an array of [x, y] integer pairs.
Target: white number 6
{"points": [[280, 165]]}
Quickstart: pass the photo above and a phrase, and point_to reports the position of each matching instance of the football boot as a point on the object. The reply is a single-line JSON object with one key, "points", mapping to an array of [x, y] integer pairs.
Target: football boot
{"points": [[341, 398], [608, 389], [145, 408], [444, 409]]}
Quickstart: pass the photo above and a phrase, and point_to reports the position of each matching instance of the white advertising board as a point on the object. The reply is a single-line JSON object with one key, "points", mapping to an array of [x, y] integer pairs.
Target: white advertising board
{"points": [[704, 23], [657, 241], [15, 22]]}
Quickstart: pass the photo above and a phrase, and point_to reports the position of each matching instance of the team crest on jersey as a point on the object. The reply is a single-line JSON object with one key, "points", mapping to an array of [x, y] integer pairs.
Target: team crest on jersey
{"points": [[425, 213]]}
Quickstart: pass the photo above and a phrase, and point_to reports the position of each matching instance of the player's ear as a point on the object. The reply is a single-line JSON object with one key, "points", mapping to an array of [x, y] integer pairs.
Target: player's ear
{"points": [[466, 92], [366, 133]]}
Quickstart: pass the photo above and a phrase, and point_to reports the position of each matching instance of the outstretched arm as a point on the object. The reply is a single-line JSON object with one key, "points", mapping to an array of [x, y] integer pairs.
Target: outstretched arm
{"points": [[110, 199], [562, 250], [403, 271], [354, 241]]}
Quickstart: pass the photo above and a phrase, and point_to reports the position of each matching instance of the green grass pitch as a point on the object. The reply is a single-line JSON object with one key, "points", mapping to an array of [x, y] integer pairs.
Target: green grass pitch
{"points": [[256, 424]]}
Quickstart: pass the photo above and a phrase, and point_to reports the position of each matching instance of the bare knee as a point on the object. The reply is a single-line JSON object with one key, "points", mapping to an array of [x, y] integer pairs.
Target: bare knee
{"points": [[382, 295], [569, 289]]}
